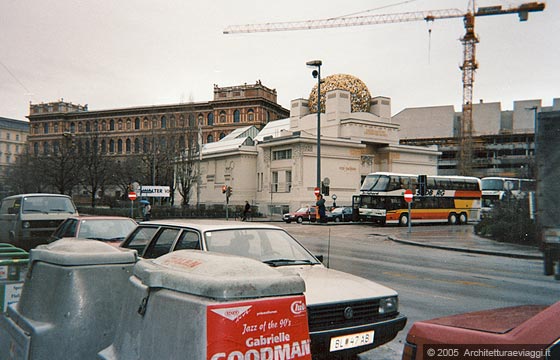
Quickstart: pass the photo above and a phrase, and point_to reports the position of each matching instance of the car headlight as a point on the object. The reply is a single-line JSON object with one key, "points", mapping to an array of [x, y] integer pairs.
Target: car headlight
{"points": [[26, 225], [388, 305]]}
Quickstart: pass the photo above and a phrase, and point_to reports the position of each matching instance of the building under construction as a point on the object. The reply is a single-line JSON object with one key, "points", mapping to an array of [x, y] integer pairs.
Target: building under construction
{"points": [[503, 140]]}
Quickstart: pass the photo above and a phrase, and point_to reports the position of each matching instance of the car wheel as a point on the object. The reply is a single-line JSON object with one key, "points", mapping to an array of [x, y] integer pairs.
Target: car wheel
{"points": [[288, 221], [463, 218], [403, 220], [299, 219], [336, 219], [452, 219]]}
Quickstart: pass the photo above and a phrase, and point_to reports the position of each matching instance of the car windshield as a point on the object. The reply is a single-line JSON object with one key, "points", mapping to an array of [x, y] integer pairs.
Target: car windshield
{"points": [[106, 229], [303, 209], [337, 211], [47, 204], [274, 247]]}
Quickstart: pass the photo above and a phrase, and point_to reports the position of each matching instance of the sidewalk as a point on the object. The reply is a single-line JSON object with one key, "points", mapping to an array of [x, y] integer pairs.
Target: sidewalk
{"points": [[459, 238]]}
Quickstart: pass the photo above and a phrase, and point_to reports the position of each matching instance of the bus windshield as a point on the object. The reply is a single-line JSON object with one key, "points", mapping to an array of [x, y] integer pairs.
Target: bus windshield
{"points": [[492, 184], [375, 183]]}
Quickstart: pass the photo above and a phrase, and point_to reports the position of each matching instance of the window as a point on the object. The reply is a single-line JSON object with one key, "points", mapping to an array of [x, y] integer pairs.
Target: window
{"points": [[128, 145], [55, 130], [288, 180], [188, 240], [282, 154], [112, 125], [103, 146], [210, 139], [128, 125], [88, 127], [120, 146], [162, 244], [163, 122], [112, 146], [45, 130], [191, 121], [236, 116], [222, 116], [120, 125], [250, 115], [222, 135], [36, 148], [137, 145], [210, 118], [274, 182], [137, 124], [46, 148]]}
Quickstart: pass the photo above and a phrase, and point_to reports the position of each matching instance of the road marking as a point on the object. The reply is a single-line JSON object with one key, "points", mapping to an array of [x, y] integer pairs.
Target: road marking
{"points": [[415, 277]]}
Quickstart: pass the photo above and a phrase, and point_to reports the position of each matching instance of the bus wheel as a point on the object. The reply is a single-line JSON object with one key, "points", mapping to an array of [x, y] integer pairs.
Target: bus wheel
{"points": [[463, 218], [452, 219], [403, 220]]}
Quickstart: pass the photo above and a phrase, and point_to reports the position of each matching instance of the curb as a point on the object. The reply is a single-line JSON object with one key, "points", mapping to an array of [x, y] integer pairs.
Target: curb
{"points": [[468, 250]]}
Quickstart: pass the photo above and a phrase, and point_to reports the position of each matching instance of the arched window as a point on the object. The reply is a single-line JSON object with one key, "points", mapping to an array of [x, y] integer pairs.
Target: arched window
{"points": [[181, 121], [137, 124], [200, 120], [88, 126], [46, 148], [236, 116], [104, 126], [36, 148], [268, 116], [128, 124], [95, 126], [112, 125], [56, 147], [137, 145], [128, 146], [146, 124], [172, 122], [154, 123], [46, 128], [55, 128], [103, 146], [222, 116], [120, 125], [119, 146], [80, 127], [210, 119], [250, 115], [191, 121], [222, 135], [72, 127], [210, 139], [163, 122], [112, 146]]}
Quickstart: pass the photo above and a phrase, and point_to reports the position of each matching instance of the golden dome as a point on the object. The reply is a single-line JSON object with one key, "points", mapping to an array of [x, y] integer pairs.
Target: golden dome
{"points": [[359, 93]]}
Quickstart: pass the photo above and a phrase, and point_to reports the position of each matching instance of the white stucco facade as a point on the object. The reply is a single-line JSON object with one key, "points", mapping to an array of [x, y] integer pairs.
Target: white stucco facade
{"points": [[277, 169]]}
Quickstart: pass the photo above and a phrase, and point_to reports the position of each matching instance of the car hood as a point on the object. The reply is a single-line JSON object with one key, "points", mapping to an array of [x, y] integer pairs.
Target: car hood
{"points": [[498, 321], [323, 285]]}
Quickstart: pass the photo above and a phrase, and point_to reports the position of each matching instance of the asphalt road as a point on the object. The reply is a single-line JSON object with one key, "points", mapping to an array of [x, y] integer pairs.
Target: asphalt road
{"points": [[431, 283]]}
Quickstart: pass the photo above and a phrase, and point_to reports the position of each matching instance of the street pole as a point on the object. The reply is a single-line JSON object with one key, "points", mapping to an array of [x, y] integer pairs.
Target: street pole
{"points": [[317, 74]]}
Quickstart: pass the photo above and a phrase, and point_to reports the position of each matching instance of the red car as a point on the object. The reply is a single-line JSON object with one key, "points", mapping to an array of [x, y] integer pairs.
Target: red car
{"points": [[304, 214], [530, 330]]}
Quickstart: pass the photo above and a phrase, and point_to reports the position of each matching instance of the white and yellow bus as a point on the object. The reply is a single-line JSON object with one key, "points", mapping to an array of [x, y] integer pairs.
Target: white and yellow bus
{"points": [[497, 189], [449, 199]]}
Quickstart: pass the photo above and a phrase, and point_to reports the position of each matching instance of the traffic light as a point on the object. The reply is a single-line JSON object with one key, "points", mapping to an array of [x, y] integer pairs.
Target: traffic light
{"points": [[422, 183], [224, 189], [229, 191], [324, 189]]}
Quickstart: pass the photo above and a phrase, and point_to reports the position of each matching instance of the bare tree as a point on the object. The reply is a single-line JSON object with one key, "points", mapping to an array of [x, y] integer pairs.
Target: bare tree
{"points": [[25, 175], [61, 169]]}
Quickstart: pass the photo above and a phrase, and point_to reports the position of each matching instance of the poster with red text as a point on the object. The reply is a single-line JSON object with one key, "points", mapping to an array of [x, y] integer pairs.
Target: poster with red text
{"points": [[262, 329]]}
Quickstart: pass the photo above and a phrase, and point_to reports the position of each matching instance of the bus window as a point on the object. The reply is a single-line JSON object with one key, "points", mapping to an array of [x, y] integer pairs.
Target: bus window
{"points": [[444, 184]]}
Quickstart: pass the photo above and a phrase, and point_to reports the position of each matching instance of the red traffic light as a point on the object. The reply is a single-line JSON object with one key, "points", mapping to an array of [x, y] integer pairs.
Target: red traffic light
{"points": [[224, 189]]}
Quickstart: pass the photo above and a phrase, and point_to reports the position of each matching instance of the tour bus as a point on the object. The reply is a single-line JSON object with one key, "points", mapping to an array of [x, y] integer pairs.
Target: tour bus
{"points": [[450, 199], [495, 189]]}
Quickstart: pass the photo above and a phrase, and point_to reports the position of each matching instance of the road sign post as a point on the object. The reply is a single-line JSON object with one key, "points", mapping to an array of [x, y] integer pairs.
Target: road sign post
{"points": [[408, 198], [132, 197]]}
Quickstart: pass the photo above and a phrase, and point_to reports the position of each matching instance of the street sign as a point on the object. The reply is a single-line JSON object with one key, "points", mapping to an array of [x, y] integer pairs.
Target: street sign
{"points": [[317, 191], [408, 196], [132, 196]]}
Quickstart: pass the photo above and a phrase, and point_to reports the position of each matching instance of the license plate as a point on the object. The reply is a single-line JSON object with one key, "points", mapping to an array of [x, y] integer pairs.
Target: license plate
{"points": [[351, 341]]}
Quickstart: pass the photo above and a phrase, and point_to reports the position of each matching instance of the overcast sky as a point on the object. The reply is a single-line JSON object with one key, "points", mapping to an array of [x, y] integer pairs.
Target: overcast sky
{"points": [[116, 54]]}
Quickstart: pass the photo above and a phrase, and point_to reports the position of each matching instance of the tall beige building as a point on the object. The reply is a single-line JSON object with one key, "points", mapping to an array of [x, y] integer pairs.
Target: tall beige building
{"points": [[13, 138]]}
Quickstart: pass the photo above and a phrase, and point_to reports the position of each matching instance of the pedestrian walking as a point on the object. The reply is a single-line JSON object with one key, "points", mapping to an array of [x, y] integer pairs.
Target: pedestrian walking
{"points": [[322, 209], [246, 211], [146, 211]]}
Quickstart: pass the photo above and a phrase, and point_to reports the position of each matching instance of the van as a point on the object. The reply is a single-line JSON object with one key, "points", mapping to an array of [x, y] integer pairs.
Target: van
{"points": [[27, 220]]}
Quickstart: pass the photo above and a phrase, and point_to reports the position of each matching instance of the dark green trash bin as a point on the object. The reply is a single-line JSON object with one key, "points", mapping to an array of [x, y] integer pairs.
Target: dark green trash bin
{"points": [[13, 269]]}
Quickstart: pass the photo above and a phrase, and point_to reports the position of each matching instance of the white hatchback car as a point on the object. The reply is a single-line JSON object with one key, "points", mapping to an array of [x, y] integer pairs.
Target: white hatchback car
{"points": [[347, 314]]}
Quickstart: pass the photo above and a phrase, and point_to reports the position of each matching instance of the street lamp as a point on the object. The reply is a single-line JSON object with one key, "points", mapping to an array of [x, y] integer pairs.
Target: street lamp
{"points": [[317, 74]]}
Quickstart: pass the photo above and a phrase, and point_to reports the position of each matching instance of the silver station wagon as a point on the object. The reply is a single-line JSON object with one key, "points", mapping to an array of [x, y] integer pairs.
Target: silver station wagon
{"points": [[347, 314]]}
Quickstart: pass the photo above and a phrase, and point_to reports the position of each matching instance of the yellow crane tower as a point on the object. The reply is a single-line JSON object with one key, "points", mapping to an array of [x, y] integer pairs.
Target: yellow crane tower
{"points": [[469, 41]]}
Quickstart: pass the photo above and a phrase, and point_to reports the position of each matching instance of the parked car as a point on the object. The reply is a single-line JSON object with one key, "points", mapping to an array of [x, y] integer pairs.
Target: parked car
{"points": [[110, 229], [27, 220], [341, 214], [534, 328], [304, 214], [347, 314]]}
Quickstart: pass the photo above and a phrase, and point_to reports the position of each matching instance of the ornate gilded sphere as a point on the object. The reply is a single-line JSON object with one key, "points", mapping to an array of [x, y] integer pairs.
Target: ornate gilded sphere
{"points": [[359, 93]]}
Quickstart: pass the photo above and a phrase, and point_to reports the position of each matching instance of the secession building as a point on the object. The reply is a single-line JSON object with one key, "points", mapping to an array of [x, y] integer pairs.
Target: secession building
{"points": [[275, 168]]}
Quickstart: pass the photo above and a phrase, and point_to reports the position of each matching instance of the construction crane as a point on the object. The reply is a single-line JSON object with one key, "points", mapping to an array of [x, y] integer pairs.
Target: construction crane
{"points": [[469, 41]]}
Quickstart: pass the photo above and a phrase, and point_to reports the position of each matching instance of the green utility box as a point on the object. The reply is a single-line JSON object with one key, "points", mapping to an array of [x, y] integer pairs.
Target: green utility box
{"points": [[13, 269]]}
